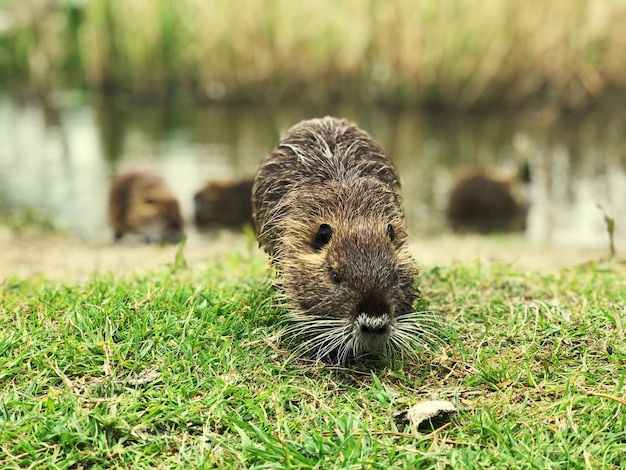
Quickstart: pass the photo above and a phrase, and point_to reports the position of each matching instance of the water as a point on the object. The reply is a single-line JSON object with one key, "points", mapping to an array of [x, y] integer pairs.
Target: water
{"points": [[60, 159]]}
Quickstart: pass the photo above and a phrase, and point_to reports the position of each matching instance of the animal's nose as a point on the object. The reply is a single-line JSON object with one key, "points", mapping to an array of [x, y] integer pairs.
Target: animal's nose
{"points": [[374, 324], [374, 330]]}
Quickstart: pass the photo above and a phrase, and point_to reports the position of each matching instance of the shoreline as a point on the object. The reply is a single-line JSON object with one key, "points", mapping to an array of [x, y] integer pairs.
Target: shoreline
{"points": [[65, 259]]}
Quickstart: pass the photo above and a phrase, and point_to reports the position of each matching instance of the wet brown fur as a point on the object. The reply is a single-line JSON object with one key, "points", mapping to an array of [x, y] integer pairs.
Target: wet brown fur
{"points": [[328, 171], [223, 203], [141, 203], [484, 203]]}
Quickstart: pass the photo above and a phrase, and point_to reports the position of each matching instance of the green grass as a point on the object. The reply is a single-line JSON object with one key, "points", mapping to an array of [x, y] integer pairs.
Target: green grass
{"points": [[181, 368]]}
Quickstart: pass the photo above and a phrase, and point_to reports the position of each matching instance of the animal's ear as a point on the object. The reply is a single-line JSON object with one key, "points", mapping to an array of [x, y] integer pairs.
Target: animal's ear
{"points": [[322, 237]]}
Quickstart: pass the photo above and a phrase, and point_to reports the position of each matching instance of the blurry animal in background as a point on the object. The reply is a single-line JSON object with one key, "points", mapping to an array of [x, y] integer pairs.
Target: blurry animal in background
{"points": [[223, 204], [485, 203], [141, 203]]}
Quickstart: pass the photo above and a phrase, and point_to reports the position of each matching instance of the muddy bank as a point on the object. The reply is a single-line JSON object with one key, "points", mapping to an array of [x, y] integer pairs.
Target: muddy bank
{"points": [[66, 259]]}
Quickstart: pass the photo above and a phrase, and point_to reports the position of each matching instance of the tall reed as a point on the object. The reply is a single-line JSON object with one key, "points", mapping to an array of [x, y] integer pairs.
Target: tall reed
{"points": [[459, 53]]}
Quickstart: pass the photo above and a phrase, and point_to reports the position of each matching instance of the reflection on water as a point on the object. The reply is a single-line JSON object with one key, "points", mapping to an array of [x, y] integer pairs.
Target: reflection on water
{"points": [[62, 160]]}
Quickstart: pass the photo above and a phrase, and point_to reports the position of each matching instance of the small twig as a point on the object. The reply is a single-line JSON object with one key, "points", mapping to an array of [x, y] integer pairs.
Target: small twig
{"points": [[15, 458], [610, 229], [606, 395]]}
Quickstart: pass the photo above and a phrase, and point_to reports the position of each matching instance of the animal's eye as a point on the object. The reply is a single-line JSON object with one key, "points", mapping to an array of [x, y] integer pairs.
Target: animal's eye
{"points": [[335, 277], [390, 232], [322, 237], [150, 200]]}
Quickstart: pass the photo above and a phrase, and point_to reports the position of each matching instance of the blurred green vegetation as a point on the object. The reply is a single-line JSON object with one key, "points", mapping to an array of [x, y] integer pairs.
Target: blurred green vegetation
{"points": [[27, 221], [450, 53]]}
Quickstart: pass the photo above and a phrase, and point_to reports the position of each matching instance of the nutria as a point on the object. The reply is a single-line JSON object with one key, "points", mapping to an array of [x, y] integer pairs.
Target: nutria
{"points": [[326, 209], [223, 203], [141, 203], [485, 203]]}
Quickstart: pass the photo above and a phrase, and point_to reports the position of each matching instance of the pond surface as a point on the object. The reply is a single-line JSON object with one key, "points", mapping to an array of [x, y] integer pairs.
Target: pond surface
{"points": [[60, 158]]}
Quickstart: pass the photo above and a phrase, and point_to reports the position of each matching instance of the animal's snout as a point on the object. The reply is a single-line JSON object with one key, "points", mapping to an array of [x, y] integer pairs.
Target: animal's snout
{"points": [[373, 316], [370, 325]]}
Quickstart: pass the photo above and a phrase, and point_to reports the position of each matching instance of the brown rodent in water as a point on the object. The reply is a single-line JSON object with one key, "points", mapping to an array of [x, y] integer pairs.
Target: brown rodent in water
{"points": [[483, 202], [141, 203], [223, 204], [326, 209]]}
